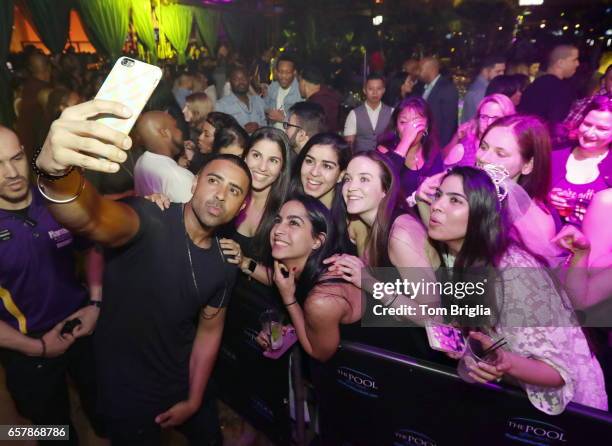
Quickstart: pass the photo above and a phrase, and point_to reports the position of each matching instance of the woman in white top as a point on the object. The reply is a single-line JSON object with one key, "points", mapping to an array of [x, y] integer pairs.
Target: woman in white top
{"points": [[546, 352]]}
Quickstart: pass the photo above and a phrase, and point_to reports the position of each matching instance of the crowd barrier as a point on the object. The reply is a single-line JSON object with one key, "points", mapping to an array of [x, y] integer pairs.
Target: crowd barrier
{"points": [[369, 396], [254, 386]]}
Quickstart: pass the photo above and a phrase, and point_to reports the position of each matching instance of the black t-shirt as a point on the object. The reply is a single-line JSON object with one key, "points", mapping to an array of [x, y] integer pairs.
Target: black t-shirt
{"points": [[151, 310], [549, 98]]}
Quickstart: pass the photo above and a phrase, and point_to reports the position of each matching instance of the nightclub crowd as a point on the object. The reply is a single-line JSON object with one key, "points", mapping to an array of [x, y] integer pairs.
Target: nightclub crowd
{"points": [[229, 179]]}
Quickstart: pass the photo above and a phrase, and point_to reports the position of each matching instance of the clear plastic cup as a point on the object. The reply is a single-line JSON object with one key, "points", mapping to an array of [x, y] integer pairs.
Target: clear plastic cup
{"points": [[272, 326], [472, 356]]}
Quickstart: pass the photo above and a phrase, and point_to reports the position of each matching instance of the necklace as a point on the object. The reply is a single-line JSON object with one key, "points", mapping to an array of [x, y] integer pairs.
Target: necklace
{"points": [[193, 277]]}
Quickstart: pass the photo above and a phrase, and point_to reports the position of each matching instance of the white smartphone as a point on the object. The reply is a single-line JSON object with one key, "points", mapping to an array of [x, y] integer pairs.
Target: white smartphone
{"points": [[445, 338], [131, 83]]}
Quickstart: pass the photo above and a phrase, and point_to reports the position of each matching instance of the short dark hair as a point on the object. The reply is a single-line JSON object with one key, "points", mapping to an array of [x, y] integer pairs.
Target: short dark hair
{"points": [[375, 76], [233, 159], [286, 57], [312, 74], [311, 117], [235, 69], [491, 61], [507, 84]]}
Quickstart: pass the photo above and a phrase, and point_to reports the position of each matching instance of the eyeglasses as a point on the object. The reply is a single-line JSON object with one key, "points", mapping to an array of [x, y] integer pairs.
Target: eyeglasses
{"points": [[487, 117], [286, 125]]}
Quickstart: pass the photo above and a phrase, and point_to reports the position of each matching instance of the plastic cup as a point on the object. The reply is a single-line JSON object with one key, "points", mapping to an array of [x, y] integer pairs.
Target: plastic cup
{"points": [[273, 328], [472, 356]]}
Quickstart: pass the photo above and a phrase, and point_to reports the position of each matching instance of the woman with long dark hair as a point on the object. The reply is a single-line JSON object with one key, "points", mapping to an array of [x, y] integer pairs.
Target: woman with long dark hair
{"points": [[411, 145], [546, 352], [320, 303], [317, 171], [269, 159]]}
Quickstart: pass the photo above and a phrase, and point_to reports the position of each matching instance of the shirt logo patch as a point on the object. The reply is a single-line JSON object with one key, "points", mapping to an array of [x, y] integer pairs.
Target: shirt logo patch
{"points": [[61, 237]]}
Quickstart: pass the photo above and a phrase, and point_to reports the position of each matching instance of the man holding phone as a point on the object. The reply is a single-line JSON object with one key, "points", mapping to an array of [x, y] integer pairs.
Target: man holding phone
{"points": [[166, 283]]}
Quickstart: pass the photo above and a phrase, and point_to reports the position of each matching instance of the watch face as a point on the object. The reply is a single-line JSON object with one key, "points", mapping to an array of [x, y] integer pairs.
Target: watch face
{"points": [[252, 265]]}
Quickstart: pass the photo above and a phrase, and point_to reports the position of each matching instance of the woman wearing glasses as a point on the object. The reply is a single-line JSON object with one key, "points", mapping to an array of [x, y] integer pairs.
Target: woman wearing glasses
{"points": [[461, 151]]}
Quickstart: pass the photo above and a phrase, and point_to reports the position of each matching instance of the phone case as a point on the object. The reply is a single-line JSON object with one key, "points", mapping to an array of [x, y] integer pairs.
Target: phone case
{"points": [[289, 338], [131, 83], [445, 338]]}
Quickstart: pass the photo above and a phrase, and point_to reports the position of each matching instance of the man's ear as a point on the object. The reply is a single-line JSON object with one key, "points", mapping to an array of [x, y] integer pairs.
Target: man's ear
{"points": [[194, 184], [527, 168], [164, 133], [319, 241], [341, 176], [301, 137]]}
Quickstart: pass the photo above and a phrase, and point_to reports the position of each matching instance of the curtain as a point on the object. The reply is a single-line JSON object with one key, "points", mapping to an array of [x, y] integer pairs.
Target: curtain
{"points": [[143, 24], [109, 21], [175, 22], [51, 20], [7, 114], [235, 26], [208, 25]]}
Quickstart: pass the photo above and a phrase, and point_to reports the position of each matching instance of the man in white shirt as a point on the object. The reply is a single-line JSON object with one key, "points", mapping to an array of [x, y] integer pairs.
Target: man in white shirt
{"points": [[367, 122], [157, 171]]}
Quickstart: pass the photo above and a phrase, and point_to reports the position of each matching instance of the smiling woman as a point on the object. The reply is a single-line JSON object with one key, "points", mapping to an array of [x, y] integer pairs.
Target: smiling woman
{"points": [[582, 171]]}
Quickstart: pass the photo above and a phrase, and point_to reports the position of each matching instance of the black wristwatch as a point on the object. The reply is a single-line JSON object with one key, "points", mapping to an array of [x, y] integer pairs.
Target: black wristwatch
{"points": [[95, 303], [251, 267]]}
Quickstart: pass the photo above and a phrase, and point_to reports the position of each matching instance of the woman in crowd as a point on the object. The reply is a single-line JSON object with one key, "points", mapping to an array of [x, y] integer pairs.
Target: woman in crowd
{"points": [[231, 140], [398, 88], [411, 146], [545, 353], [585, 169], [395, 248], [197, 107], [208, 128], [269, 159], [317, 171], [214, 122], [462, 148], [321, 305], [520, 144]]}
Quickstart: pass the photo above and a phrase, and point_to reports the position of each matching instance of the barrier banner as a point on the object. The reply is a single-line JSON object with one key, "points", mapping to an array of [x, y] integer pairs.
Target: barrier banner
{"points": [[254, 386], [369, 396]]}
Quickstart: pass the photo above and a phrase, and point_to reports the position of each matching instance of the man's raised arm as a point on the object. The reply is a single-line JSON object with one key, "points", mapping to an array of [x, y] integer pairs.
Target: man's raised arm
{"points": [[75, 141]]}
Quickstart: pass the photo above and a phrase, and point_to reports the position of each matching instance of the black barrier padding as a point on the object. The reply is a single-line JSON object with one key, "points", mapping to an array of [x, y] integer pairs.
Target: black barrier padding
{"points": [[369, 396], [251, 384]]}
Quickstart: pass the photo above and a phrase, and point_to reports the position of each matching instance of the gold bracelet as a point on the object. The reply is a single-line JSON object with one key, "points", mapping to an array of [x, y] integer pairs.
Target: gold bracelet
{"points": [[65, 201]]}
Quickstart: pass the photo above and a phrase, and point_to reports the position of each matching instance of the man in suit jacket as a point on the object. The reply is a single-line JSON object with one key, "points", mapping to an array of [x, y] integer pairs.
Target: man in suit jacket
{"points": [[442, 97]]}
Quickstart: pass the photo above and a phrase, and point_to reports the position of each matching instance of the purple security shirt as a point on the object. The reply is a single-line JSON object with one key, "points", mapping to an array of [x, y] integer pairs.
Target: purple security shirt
{"points": [[38, 283]]}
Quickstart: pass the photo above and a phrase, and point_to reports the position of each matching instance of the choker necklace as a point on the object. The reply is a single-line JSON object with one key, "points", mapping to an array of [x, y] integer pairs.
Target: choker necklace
{"points": [[193, 277]]}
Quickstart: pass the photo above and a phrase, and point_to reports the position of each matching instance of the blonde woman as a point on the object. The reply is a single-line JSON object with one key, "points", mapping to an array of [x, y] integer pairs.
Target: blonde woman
{"points": [[461, 151]]}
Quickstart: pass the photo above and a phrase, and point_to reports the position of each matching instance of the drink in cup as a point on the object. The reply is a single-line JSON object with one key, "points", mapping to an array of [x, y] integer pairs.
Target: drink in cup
{"points": [[472, 356], [272, 326]]}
